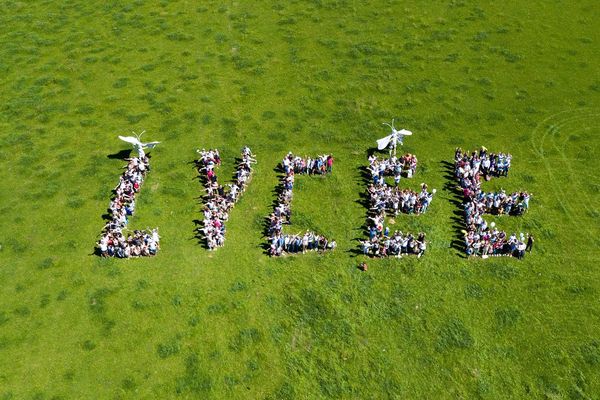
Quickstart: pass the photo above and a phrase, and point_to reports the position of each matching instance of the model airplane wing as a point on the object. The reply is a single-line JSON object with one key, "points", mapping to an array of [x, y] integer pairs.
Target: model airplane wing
{"points": [[130, 139], [383, 142], [150, 145]]}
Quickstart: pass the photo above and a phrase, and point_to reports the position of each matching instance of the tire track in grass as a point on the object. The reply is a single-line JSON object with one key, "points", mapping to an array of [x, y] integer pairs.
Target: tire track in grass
{"points": [[541, 154], [539, 149], [577, 181], [566, 203], [549, 118], [572, 177], [574, 204]]}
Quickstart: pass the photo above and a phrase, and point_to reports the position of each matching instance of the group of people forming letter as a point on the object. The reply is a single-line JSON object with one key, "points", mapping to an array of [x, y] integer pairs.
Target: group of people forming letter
{"points": [[114, 242], [483, 239], [218, 201], [386, 200], [280, 243]]}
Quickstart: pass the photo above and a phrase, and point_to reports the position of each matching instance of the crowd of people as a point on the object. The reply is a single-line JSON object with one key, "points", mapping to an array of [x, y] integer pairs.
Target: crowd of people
{"points": [[385, 200], [498, 203], [281, 243], [218, 201], [393, 200], [114, 242], [482, 239], [397, 244], [311, 166], [405, 165]]}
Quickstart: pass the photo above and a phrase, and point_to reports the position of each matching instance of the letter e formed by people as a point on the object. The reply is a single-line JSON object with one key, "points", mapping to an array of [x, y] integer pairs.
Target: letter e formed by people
{"points": [[482, 239], [384, 200]]}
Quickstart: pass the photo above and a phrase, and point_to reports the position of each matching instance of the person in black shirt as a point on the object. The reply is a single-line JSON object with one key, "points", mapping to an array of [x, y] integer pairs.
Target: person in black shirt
{"points": [[530, 241]]}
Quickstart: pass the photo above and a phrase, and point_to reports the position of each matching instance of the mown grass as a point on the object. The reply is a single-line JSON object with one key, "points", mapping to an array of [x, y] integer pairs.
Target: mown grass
{"points": [[309, 77]]}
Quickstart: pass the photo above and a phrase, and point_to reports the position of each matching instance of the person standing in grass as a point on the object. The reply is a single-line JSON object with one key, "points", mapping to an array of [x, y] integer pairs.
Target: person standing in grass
{"points": [[329, 163], [521, 250], [530, 241], [422, 244]]}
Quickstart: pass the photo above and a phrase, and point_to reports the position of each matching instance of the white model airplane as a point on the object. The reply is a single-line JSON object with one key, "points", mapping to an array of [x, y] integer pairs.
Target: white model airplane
{"points": [[396, 137], [137, 144]]}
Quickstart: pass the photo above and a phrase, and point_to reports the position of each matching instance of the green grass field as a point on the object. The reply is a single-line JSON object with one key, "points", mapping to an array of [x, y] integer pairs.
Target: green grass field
{"points": [[309, 77]]}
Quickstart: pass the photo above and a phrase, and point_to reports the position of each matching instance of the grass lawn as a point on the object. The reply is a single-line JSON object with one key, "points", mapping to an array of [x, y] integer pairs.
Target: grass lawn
{"points": [[309, 77]]}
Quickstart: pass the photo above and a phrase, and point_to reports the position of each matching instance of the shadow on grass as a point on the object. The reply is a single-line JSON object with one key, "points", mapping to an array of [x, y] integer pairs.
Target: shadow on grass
{"points": [[457, 219], [364, 178], [265, 245], [121, 155], [199, 223]]}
